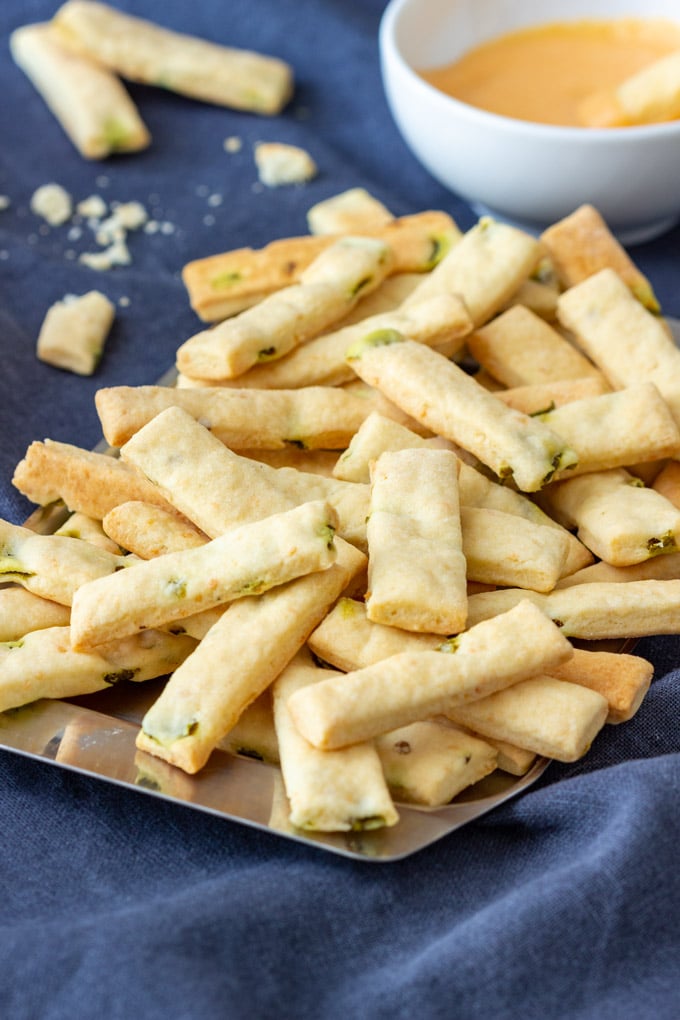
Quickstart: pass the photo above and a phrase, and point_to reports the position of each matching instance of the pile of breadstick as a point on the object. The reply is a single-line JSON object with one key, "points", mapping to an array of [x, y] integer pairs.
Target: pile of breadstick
{"points": [[380, 528], [77, 59]]}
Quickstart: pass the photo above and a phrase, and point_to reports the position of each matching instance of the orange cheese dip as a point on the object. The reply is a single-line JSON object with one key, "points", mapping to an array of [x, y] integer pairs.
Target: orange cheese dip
{"points": [[545, 73]]}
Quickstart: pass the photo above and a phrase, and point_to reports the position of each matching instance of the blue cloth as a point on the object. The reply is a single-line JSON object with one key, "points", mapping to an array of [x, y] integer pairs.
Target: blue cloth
{"points": [[562, 903]]}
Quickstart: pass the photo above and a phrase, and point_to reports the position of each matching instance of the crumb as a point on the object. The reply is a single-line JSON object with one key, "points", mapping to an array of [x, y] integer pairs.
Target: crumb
{"points": [[167, 228], [116, 255], [130, 215], [280, 164], [232, 144], [124, 301], [93, 207], [5, 202], [151, 227], [53, 203], [209, 220], [215, 200]]}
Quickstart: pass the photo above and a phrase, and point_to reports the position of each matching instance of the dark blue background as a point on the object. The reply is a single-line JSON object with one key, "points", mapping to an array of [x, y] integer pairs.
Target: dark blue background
{"points": [[563, 903]]}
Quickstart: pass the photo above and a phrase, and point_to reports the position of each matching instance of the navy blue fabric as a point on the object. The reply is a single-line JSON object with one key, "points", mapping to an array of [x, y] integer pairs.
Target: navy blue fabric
{"points": [[561, 904]]}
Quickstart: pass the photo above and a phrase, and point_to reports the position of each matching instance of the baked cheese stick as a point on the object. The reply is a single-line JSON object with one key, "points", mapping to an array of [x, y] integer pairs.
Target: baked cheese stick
{"points": [[245, 561], [327, 290], [22, 612], [88, 529], [519, 348], [348, 212], [44, 665], [236, 661], [442, 322], [581, 244], [222, 285], [594, 611], [148, 530], [74, 332], [429, 763], [416, 685], [90, 103], [537, 398], [443, 398], [628, 343], [416, 565], [313, 417], [620, 678], [485, 268], [621, 520], [650, 96], [328, 791], [378, 434], [231, 490], [142, 51], [88, 482], [52, 566], [545, 715], [630, 426]]}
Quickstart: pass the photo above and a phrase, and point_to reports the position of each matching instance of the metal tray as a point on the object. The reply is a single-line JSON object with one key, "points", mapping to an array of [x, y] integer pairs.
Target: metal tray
{"points": [[95, 736]]}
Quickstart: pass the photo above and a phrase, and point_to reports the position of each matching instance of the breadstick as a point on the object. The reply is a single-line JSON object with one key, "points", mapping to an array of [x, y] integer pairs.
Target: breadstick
{"points": [[328, 791], [446, 400], [314, 417], [485, 267], [617, 517], [142, 51], [518, 348], [442, 323], [429, 763], [222, 285], [629, 426], [538, 398], [90, 103], [650, 96], [628, 343], [88, 482], [231, 490], [415, 685], [620, 678], [44, 665], [52, 566], [542, 714], [22, 612], [327, 290], [245, 561], [595, 611], [416, 565], [237, 659], [581, 244], [148, 530], [349, 212]]}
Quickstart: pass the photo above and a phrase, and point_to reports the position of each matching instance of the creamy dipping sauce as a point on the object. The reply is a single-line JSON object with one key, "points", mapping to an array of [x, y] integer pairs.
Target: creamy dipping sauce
{"points": [[544, 74]]}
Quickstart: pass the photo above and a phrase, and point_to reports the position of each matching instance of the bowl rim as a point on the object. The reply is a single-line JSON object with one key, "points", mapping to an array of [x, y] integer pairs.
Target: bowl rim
{"points": [[613, 135]]}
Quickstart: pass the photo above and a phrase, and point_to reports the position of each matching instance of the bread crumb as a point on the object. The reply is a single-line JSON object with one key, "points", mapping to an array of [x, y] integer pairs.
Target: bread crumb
{"points": [[232, 144], [130, 215], [5, 202], [53, 203], [93, 207], [115, 255], [279, 164]]}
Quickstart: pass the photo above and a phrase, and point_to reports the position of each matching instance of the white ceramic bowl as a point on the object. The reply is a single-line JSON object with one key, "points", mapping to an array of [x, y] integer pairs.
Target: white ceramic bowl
{"points": [[532, 174]]}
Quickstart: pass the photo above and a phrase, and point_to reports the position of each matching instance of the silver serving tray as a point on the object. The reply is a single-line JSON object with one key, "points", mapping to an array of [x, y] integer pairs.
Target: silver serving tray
{"points": [[95, 736]]}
